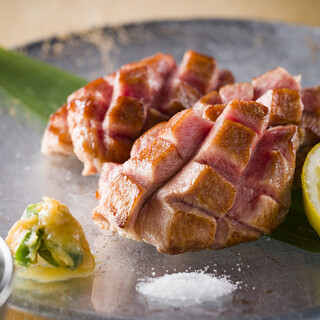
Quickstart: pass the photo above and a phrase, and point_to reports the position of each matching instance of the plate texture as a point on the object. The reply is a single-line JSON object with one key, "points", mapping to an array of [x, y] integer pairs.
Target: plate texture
{"points": [[278, 281]]}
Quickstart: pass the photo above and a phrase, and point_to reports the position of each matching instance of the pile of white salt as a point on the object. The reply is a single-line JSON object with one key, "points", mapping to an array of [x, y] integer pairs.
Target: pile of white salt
{"points": [[185, 289]]}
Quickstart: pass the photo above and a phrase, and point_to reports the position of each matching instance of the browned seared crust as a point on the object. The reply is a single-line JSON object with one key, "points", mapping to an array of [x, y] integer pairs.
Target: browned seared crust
{"points": [[159, 159], [86, 111], [212, 112], [193, 186], [105, 117], [56, 138], [174, 230], [311, 99], [255, 210], [118, 149], [124, 198], [235, 184], [200, 67], [200, 229], [211, 98], [86, 133], [311, 122], [231, 145], [125, 118], [182, 97], [285, 105], [291, 107], [151, 167], [147, 138], [251, 114], [154, 117], [230, 233]]}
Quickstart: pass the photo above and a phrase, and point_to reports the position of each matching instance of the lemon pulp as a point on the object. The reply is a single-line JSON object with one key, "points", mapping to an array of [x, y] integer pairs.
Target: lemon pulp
{"points": [[311, 187]]}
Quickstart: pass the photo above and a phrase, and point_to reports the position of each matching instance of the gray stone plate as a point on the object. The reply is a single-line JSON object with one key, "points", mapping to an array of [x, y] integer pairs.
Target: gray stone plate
{"points": [[278, 280]]}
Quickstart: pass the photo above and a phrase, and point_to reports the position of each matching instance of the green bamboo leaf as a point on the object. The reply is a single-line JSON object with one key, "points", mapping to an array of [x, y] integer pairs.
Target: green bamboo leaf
{"points": [[295, 229], [37, 86]]}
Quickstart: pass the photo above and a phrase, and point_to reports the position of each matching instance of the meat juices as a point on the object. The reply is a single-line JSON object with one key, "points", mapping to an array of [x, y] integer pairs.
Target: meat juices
{"points": [[102, 120], [224, 184]]}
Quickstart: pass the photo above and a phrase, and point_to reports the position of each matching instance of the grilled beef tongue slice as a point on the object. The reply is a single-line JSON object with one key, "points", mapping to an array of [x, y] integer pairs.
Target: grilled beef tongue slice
{"points": [[122, 197], [198, 184], [86, 112], [102, 120], [311, 99], [286, 106], [56, 139], [240, 91], [195, 76], [277, 78]]}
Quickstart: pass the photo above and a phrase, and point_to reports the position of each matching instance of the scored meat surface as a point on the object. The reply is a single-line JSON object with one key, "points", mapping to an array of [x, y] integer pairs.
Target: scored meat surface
{"points": [[201, 184], [217, 173], [101, 121]]}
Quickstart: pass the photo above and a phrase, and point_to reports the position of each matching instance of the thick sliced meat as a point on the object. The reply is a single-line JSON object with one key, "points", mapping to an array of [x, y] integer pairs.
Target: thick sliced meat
{"points": [[58, 136], [212, 112], [198, 71], [146, 139], [153, 118], [56, 139], [185, 130], [232, 140], [229, 147], [174, 230], [103, 119], [268, 179], [241, 91], [86, 112], [155, 163], [210, 99], [192, 186], [203, 194], [231, 232], [225, 77], [110, 127], [206, 107], [251, 114], [285, 105], [311, 122], [143, 80], [147, 170], [80, 126], [180, 96], [278, 78], [120, 202], [136, 88], [205, 204], [125, 118], [311, 99], [192, 80]]}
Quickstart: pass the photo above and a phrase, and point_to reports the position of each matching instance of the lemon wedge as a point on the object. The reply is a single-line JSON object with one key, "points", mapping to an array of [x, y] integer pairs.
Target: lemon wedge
{"points": [[311, 187]]}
